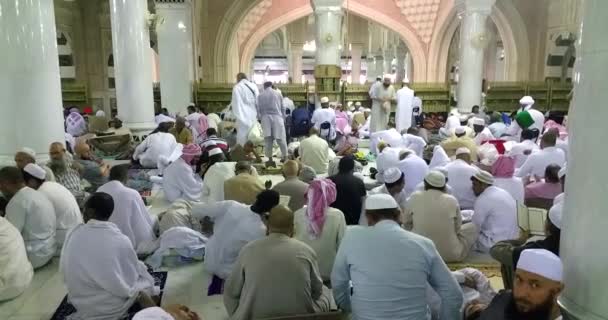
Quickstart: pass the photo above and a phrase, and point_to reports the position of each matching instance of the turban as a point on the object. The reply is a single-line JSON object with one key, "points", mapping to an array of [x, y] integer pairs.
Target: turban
{"points": [[320, 194]]}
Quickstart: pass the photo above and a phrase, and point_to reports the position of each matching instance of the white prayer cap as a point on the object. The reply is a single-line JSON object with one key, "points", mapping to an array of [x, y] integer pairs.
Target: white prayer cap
{"points": [[526, 100], [460, 130], [463, 118], [35, 170], [462, 150], [191, 104], [367, 110], [358, 104], [555, 214], [324, 100], [435, 179], [391, 175], [29, 151], [485, 177], [479, 122], [215, 151], [454, 112], [380, 201], [563, 171], [541, 262], [154, 313], [387, 76]]}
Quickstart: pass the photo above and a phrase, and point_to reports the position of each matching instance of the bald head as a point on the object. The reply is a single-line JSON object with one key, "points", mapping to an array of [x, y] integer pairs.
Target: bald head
{"points": [[23, 158], [549, 139], [56, 151], [280, 220], [290, 169], [180, 123], [82, 149]]}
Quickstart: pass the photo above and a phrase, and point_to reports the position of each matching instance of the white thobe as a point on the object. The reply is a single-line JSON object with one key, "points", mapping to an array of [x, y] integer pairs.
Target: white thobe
{"points": [[514, 186], [390, 136], [518, 151], [180, 182], [315, 153], [537, 163], [483, 136], [496, 217], [161, 118], [235, 225], [364, 131], [388, 158], [514, 129], [244, 99], [440, 158], [452, 123], [131, 216], [154, 147], [321, 116], [415, 169], [193, 120], [33, 215], [213, 182], [101, 272], [414, 143], [379, 117], [16, 270], [403, 116], [66, 209], [459, 176]]}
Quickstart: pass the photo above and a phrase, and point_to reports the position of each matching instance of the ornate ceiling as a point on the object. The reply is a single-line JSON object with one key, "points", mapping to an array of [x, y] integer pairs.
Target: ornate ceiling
{"points": [[422, 16], [252, 19]]}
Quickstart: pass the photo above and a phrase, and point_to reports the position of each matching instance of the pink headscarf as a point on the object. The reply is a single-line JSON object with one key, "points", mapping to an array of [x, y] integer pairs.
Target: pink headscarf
{"points": [[190, 151], [319, 195], [563, 132], [504, 167]]}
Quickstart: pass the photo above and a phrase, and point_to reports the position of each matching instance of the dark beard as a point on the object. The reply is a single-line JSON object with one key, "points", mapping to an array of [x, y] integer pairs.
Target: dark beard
{"points": [[386, 86], [59, 167], [541, 312]]}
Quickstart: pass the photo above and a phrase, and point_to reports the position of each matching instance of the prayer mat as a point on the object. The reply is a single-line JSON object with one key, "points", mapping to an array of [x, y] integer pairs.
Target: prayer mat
{"points": [[490, 270], [65, 309]]}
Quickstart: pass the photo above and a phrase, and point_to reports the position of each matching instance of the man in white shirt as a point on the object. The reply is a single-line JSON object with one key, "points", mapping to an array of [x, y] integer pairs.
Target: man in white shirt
{"points": [[314, 152], [403, 115], [130, 213], [388, 157], [394, 185], [179, 180], [382, 272], [66, 208], [324, 120], [244, 99], [414, 168], [32, 214], [521, 151], [482, 133], [391, 136], [412, 141], [192, 118], [155, 146], [537, 163], [382, 98], [451, 123], [495, 212], [102, 275], [235, 225], [537, 117], [460, 172], [16, 270]]}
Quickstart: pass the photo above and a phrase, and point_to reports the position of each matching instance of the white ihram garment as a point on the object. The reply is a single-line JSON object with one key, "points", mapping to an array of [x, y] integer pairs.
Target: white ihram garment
{"points": [[179, 182], [459, 176], [519, 150], [537, 163], [388, 158], [67, 211], [496, 217], [415, 169], [244, 99], [154, 147], [16, 270], [403, 116], [414, 143], [213, 182]]}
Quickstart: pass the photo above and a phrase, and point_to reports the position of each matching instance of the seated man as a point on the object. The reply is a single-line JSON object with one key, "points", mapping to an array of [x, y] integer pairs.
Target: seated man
{"points": [[244, 186], [526, 147], [460, 172], [314, 152], [482, 133], [245, 153], [116, 140], [95, 172], [394, 185], [213, 140], [390, 269], [348, 143], [26, 156], [350, 191], [67, 211], [276, 275], [548, 189], [324, 120], [179, 214], [414, 168], [414, 142], [130, 214], [537, 162], [300, 120], [32, 214], [179, 180], [66, 171], [102, 275], [436, 215], [292, 186], [16, 270], [75, 123], [538, 284], [235, 225], [181, 133], [158, 144], [495, 212], [214, 174], [391, 136], [460, 140]]}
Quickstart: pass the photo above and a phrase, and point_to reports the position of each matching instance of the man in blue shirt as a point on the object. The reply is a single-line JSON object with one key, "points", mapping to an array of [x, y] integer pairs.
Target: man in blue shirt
{"points": [[391, 269]]}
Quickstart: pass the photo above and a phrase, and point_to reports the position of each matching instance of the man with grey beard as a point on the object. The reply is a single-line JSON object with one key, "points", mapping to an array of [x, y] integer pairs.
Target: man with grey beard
{"points": [[66, 171]]}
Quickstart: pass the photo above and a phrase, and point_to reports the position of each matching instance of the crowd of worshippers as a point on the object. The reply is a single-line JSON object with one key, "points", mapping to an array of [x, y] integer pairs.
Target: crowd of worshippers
{"points": [[375, 246]]}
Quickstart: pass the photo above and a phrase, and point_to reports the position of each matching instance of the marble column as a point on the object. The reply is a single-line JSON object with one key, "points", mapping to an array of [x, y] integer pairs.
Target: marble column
{"points": [[371, 68], [473, 40], [401, 56], [132, 61], [356, 50], [30, 86], [175, 54], [295, 62], [379, 65], [389, 56], [328, 14], [584, 236]]}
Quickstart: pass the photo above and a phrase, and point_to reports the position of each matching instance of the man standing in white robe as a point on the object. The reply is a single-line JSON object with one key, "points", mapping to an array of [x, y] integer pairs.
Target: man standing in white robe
{"points": [[179, 180], [403, 116], [155, 146], [130, 213], [66, 208], [16, 270], [244, 100], [271, 112], [32, 214], [102, 275], [382, 98]]}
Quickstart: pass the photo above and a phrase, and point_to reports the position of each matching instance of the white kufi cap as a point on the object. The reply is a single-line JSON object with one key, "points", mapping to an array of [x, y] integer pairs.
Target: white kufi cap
{"points": [[435, 179], [462, 150], [325, 100], [380, 201], [460, 130], [484, 177], [479, 122], [391, 175], [555, 214], [35, 170], [154, 313], [541, 262]]}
